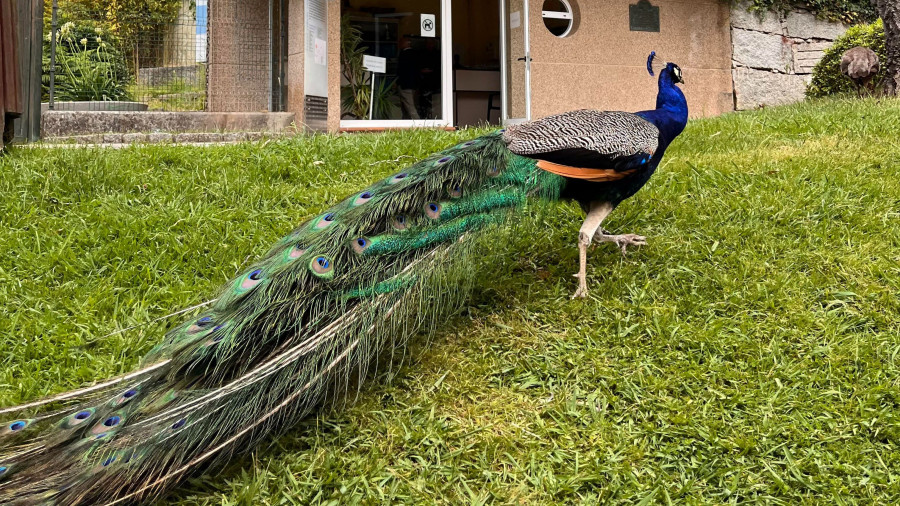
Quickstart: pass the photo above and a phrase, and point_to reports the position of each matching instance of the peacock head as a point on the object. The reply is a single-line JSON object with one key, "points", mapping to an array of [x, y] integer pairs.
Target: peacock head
{"points": [[671, 69]]}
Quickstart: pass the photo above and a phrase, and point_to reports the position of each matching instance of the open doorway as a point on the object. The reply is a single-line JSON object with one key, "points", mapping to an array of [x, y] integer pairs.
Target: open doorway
{"points": [[476, 63], [433, 63]]}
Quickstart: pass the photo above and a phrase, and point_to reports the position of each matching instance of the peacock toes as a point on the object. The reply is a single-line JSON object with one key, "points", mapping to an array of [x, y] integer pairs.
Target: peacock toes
{"points": [[620, 240]]}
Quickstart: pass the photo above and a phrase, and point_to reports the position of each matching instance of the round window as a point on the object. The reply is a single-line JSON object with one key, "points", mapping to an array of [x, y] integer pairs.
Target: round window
{"points": [[558, 17]]}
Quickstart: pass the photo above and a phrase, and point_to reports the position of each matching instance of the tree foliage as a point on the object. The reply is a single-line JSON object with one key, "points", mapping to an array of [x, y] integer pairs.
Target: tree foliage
{"points": [[132, 21], [847, 11]]}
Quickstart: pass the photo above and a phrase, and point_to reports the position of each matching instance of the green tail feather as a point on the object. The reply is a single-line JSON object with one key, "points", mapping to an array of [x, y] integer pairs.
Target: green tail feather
{"points": [[351, 283]]}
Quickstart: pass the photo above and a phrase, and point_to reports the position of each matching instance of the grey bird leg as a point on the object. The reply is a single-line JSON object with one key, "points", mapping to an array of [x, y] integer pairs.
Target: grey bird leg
{"points": [[595, 216], [621, 240]]}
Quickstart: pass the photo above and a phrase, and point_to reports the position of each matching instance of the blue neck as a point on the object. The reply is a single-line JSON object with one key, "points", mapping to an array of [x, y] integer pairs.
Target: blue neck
{"points": [[671, 113]]}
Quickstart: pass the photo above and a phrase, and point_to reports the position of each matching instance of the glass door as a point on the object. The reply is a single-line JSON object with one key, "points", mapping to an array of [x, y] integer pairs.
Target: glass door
{"points": [[515, 61], [408, 46]]}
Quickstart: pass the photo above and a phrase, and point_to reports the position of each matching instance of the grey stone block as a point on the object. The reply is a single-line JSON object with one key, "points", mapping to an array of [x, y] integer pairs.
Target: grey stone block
{"points": [[134, 138], [157, 138], [804, 25], [760, 50], [765, 21], [755, 88], [200, 137]]}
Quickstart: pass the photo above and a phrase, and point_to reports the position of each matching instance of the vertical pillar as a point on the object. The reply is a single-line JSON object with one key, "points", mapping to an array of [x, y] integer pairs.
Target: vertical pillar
{"points": [[239, 77]]}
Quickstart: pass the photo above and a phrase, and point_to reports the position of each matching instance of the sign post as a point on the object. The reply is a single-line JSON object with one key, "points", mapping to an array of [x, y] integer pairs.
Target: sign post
{"points": [[375, 65]]}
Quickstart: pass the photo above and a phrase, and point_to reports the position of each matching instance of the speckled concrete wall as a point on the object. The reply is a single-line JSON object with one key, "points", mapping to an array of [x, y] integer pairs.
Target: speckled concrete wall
{"points": [[602, 65]]}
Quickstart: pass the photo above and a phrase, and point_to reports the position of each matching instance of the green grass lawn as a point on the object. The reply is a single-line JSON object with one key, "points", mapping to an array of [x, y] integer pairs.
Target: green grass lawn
{"points": [[749, 353]]}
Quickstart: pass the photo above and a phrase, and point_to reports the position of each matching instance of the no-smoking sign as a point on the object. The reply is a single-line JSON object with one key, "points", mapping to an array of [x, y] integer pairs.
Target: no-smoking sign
{"points": [[429, 25]]}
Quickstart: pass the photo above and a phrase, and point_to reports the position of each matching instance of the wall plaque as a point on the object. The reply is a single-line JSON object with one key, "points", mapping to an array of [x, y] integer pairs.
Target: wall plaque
{"points": [[643, 17]]}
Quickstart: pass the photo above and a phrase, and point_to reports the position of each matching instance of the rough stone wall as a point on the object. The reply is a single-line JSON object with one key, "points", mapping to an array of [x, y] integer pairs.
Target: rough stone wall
{"points": [[773, 54]]}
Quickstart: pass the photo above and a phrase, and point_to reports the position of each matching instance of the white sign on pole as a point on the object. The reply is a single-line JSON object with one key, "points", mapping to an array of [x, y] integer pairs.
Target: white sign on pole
{"points": [[375, 64], [429, 25], [515, 19]]}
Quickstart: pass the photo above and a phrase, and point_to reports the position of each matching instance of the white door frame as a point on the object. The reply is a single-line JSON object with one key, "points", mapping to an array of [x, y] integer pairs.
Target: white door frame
{"points": [[446, 86], [504, 61]]}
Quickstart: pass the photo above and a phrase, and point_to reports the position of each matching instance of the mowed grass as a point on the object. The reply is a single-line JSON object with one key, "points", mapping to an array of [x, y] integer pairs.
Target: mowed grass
{"points": [[749, 353]]}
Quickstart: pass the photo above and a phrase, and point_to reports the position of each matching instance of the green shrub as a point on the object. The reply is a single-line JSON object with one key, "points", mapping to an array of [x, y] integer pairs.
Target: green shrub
{"points": [[827, 78], [89, 65]]}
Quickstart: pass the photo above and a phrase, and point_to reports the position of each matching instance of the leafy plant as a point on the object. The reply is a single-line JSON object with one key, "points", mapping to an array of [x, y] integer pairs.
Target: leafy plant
{"points": [[827, 78], [355, 93], [848, 11], [134, 22], [357, 90], [89, 65]]}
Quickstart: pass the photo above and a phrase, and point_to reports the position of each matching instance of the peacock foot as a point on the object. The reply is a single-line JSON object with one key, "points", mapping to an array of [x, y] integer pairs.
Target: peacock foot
{"points": [[623, 241], [582, 291]]}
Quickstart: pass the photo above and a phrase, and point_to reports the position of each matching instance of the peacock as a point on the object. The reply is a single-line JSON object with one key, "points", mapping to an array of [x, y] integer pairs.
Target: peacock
{"points": [[327, 302]]}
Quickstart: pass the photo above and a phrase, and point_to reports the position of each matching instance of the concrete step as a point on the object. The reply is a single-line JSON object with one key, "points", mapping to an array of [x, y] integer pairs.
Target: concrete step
{"points": [[164, 138], [68, 124]]}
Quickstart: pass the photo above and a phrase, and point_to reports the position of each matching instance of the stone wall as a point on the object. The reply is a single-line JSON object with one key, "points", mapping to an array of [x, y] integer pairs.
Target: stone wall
{"points": [[773, 54]]}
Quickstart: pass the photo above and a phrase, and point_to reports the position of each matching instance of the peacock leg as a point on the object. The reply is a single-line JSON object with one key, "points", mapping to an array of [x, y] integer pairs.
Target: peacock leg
{"points": [[621, 240], [595, 216]]}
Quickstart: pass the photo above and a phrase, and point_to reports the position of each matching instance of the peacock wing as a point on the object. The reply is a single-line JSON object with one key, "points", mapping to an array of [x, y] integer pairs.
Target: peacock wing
{"points": [[588, 139]]}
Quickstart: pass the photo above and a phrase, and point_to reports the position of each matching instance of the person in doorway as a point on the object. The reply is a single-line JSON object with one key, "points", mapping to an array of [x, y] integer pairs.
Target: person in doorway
{"points": [[408, 78], [431, 80]]}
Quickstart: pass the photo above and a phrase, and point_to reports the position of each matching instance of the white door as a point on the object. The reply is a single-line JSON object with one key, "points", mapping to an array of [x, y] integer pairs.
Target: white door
{"points": [[515, 65]]}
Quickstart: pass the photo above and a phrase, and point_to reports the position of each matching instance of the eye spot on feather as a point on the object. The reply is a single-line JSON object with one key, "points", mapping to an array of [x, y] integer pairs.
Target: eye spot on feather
{"points": [[200, 325], [433, 210], [360, 244], [3, 470], [397, 178], [456, 191], [109, 461], [444, 160], [493, 171], [112, 421], [362, 198], [297, 251], [179, 424], [322, 267], [252, 279], [77, 418], [18, 425], [400, 222], [324, 222], [126, 396]]}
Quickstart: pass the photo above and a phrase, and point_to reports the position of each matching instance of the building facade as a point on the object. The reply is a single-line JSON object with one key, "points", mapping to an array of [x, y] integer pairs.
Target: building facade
{"points": [[446, 63]]}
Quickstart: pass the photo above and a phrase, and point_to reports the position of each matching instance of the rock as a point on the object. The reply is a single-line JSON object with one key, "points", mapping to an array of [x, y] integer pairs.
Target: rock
{"points": [[760, 50], [765, 21], [199, 137], [159, 137], [754, 88], [803, 25], [134, 138]]}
